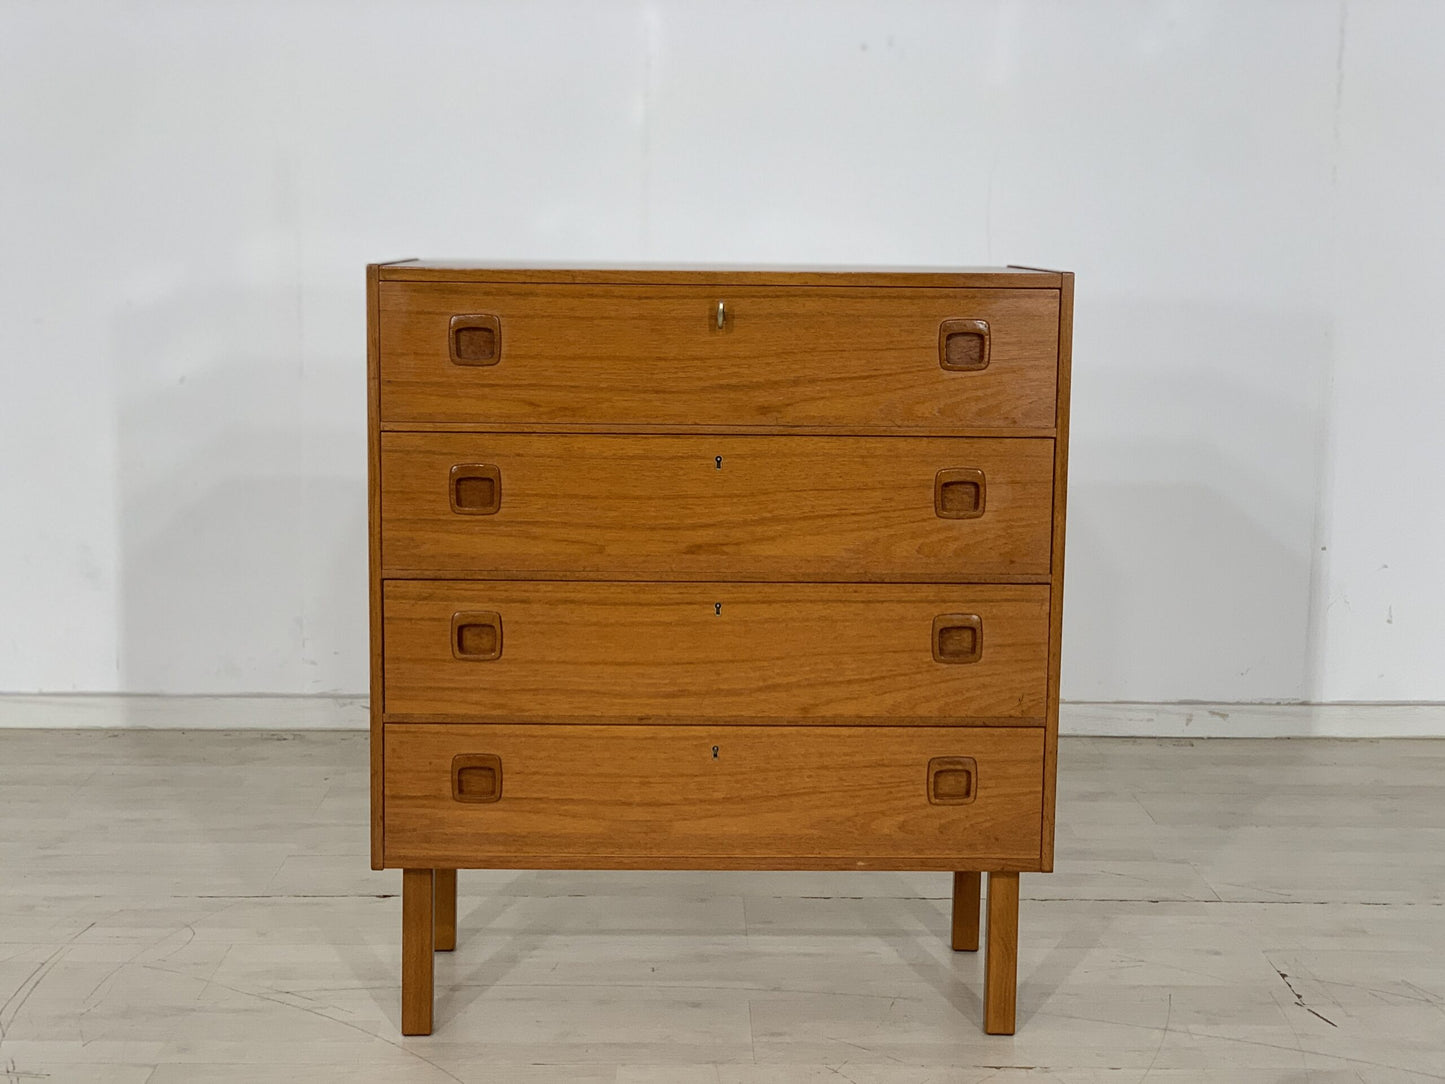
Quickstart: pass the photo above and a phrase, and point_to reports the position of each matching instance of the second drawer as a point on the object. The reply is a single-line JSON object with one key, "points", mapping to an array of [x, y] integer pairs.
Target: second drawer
{"points": [[563, 651], [791, 507]]}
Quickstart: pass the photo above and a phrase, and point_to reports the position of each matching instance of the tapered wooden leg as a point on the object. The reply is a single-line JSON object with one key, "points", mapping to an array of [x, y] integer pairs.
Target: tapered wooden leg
{"points": [[416, 951], [445, 889], [1000, 967], [967, 888]]}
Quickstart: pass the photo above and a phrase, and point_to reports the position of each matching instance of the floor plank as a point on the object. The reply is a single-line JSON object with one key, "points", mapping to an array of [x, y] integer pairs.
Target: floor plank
{"points": [[196, 906]]}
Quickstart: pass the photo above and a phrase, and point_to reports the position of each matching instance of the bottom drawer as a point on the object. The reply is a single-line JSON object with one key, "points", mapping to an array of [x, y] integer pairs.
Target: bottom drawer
{"points": [[712, 797]]}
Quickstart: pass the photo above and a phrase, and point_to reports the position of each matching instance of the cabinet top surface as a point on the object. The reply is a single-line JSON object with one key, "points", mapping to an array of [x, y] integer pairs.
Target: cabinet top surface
{"points": [[416, 270]]}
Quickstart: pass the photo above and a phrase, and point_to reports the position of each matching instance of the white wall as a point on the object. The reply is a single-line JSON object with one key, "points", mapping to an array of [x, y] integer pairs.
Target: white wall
{"points": [[1250, 194], [1380, 624]]}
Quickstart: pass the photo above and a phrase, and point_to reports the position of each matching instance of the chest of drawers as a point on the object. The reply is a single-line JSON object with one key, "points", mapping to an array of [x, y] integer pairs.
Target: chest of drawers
{"points": [[715, 569]]}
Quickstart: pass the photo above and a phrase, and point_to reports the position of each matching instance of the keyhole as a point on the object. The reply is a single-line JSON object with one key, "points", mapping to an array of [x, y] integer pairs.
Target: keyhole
{"points": [[714, 752], [717, 608], [717, 460]]}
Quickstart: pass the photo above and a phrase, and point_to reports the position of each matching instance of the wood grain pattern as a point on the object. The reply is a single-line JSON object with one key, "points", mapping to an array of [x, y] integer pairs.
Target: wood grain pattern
{"points": [[653, 355], [463, 271], [1056, 596], [1000, 980], [416, 951], [665, 650], [695, 796], [787, 508], [444, 909], [967, 895]]}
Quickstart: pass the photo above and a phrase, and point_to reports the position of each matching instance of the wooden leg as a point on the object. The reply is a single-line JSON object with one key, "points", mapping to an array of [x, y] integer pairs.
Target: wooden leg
{"points": [[446, 909], [967, 888], [416, 951], [1000, 968]]}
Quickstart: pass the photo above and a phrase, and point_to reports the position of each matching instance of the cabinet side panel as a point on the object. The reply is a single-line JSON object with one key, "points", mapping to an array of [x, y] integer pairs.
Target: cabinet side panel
{"points": [[1056, 591], [373, 500]]}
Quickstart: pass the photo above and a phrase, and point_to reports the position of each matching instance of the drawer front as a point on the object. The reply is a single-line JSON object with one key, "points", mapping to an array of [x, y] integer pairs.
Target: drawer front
{"points": [[709, 797], [560, 651], [655, 355], [789, 507]]}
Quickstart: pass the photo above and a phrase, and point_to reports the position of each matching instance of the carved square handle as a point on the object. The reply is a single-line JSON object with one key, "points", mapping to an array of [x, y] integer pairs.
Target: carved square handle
{"points": [[476, 777], [957, 638], [963, 345], [476, 489], [477, 636], [952, 780], [476, 339], [958, 493]]}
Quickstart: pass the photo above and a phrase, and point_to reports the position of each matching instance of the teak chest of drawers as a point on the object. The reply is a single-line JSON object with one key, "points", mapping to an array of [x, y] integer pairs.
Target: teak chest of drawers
{"points": [[715, 569]]}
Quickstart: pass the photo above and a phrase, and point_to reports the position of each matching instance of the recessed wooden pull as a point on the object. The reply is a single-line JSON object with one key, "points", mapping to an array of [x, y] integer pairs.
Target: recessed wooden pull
{"points": [[952, 780], [958, 493], [477, 636], [957, 638], [476, 489], [963, 345], [476, 339], [476, 777]]}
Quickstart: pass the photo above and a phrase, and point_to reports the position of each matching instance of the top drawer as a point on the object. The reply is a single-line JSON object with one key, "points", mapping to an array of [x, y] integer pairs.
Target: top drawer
{"points": [[656, 355]]}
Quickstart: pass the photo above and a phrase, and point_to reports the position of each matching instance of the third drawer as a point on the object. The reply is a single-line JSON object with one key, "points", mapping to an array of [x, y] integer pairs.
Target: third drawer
{"points": [[824, 653], [726, 507]]}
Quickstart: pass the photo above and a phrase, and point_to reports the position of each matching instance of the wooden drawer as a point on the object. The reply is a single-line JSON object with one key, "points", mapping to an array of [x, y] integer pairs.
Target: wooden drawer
{"points": [[791, 507], [654, 355], [712, 797], [569, 651]]}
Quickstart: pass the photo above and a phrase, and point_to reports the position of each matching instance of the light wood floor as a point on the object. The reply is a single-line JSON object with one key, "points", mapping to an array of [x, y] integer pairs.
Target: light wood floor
{"points": [[188, 906]]}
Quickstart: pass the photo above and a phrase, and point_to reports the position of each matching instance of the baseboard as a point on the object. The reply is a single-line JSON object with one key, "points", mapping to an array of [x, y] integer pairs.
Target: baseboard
{"points": [[115, 712], [1376, 720], [1130, 720]]}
